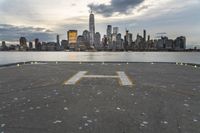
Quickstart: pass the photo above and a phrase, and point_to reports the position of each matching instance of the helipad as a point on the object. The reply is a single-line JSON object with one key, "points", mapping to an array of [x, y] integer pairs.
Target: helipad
{"points": [[100, 98]]}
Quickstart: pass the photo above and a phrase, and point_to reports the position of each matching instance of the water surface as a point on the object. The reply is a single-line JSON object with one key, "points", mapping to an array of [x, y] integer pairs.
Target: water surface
{"points": [[183, 57]]}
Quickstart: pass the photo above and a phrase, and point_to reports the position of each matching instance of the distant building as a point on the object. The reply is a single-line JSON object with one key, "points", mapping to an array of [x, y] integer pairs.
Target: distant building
{"points": [[23, 43], [115, 30], [128, 39], [148, 38], [92, 28], [109, 36], [44, 46], [144, 35], [180, 43], [30, 45], [51, 46], [109, 30], [150, 44], [3, 43], [159, 44], [169, 44], [72, 39], [164, 44], [81, 43], [139, 43], [105, 42], [58, 48], [64, 44], [114, 35], [114, 42], [86, 36], [58, 39], [97, 40], [119, 42], [12, 47], [38, 45], [114, 38], [91, 41], [17, 48], [3, 46]]}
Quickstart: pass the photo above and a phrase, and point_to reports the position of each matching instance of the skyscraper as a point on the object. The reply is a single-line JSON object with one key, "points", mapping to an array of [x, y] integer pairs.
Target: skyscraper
{"points": [[86, 35], [109, 36], [180, 43], [109, 30], [128, 39], [30, 45], [148, 38], [92, 28], [37, 44], [23, 42], [115, 30], [144, 35], [97, 40], [3, 43], [119, 42], [58, 39]]}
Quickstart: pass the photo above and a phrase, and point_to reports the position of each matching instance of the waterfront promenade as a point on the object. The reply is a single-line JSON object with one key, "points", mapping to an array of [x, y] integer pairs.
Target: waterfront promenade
{"points": [[100, 98]]}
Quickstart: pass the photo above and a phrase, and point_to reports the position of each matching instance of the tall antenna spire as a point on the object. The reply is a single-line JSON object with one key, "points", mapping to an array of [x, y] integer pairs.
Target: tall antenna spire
{"points": [[91, 11]]}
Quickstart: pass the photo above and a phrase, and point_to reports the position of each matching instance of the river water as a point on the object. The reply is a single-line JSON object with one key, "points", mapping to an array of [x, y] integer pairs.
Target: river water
{"points": [[182, 57]]}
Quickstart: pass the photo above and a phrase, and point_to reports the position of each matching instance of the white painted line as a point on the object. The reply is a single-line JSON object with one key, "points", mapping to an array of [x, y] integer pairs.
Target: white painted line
{"points": [[125, 81], [100, 76], [76, 78]]}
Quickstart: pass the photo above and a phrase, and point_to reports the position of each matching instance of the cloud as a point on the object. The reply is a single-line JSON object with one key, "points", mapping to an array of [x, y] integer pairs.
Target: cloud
{"points": [[142, 8], [13, 33], [22, 9], [116, 6], [172, 16]]}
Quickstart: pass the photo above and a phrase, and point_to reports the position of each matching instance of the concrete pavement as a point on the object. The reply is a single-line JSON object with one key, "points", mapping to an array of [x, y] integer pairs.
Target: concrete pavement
{"points": [[163, 98]]}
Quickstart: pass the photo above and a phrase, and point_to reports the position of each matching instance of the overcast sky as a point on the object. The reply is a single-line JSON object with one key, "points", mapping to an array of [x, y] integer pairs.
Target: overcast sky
{"points": [[46, 18]]}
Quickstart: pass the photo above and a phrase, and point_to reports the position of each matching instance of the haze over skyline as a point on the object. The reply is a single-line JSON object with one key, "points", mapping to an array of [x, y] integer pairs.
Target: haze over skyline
{"points": [[44, 19]]}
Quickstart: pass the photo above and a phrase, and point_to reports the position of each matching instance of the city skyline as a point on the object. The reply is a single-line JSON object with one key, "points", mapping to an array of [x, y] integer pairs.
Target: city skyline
{"points": [[45, 20]]}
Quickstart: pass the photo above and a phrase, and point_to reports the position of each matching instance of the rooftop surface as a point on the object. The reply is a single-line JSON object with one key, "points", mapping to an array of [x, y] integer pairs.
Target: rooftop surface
{"points": [[100, 98]]}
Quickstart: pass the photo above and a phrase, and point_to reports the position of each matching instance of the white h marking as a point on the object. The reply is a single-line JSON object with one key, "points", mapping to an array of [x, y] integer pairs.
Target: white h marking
{"points": [[124, 80]]}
